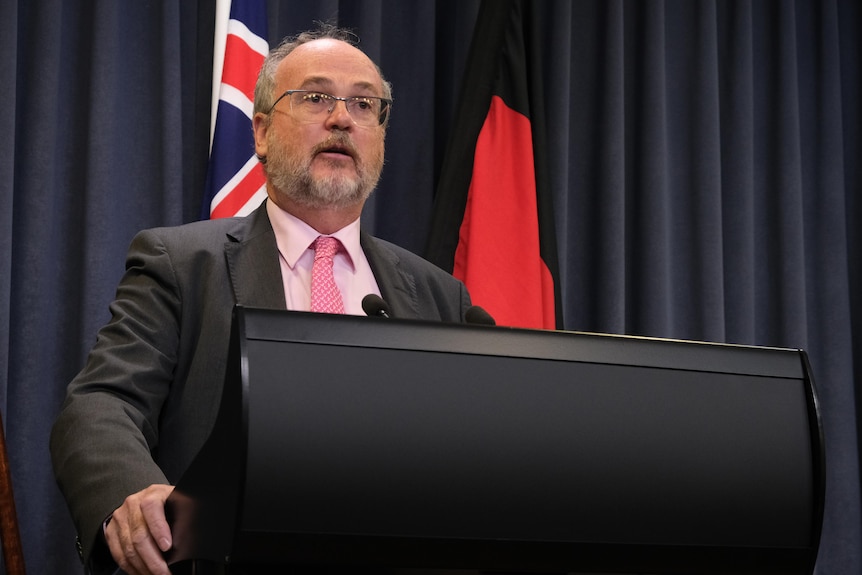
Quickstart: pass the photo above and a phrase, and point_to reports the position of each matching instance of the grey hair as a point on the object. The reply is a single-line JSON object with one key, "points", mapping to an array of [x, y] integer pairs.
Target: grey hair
{"points": [[264, 89]]}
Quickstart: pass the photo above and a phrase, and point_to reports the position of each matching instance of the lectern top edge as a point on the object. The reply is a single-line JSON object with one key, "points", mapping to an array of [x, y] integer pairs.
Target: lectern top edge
{"points": [[530, 343]]}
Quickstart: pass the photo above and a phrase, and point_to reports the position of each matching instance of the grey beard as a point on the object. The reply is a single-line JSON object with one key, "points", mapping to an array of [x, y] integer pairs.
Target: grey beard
{"points": [[330, 192]]}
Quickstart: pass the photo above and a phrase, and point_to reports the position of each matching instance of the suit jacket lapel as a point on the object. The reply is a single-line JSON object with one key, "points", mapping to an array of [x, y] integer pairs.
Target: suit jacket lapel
{"points": [[397, 285], [252, 260]]}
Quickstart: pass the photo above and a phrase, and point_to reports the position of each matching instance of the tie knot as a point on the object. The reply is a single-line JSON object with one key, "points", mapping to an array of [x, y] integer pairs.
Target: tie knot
{"points": [[325, 247]]}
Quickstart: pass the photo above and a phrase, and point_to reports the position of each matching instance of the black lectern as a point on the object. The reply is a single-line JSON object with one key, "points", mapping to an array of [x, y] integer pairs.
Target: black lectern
{"points": [[351, 443]]}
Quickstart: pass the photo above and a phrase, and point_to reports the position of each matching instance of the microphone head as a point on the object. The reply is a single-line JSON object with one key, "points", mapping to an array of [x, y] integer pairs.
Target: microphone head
{"points": [[477, 315], [374, 306]]}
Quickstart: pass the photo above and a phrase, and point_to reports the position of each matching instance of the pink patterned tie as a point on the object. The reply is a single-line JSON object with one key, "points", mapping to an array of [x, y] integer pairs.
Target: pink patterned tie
{"points": [[325, 297]]}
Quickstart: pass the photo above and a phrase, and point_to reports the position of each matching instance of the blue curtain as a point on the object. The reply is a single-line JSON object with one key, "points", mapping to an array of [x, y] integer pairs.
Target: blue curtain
{"points": [[704, 161]]}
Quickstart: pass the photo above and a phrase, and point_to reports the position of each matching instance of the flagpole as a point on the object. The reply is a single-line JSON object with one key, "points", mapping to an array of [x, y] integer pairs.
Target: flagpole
{"points": [[222, 15]]}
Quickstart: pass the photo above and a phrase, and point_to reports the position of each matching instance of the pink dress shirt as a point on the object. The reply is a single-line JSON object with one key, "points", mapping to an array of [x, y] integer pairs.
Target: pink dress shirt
{"points": [[351, 268]]}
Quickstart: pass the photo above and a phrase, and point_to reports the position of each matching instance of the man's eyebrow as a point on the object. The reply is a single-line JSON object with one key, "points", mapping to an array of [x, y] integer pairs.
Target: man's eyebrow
{"points": [[316, 81], [365, 86], [322, 82]]}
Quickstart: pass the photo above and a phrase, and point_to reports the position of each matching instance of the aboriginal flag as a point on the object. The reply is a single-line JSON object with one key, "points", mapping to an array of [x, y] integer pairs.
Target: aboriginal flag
{"points": [[493, 218]]}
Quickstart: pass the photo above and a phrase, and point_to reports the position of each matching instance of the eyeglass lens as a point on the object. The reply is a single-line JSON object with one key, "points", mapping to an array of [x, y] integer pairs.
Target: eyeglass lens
{"points": [[313, 106]]}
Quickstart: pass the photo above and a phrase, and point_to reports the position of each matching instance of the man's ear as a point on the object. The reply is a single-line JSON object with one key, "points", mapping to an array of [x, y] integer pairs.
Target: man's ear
{"points": [[260, 124]]}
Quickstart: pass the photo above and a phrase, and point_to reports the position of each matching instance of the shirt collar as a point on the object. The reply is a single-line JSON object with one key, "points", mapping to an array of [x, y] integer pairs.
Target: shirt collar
{"points": [[293, 236]]}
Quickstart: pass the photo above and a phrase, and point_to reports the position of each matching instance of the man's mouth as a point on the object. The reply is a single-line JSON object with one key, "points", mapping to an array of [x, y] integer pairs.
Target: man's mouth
{"points": [[336, 149]]}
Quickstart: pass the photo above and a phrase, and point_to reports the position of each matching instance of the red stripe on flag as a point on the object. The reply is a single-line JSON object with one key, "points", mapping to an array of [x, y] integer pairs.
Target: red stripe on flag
{"points": [[498, 256], [240, 194], [241, 65]]}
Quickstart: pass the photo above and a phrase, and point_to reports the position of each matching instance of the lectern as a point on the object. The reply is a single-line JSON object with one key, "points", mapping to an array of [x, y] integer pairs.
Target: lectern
{"points": [[349, 444]]}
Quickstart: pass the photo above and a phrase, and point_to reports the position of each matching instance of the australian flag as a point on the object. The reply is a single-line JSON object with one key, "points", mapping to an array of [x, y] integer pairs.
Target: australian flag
{"points": [[235, 181]]}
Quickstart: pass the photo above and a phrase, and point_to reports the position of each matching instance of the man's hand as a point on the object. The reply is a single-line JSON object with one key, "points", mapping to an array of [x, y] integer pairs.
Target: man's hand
{"points": [[138, 532]]}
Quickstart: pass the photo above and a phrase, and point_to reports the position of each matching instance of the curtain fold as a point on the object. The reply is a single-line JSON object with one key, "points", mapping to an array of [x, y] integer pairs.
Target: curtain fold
{"points": [[8, 93], [737, 169], [703, 161]]}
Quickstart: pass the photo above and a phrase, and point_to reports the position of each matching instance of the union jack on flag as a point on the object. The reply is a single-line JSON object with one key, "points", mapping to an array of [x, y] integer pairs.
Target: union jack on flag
{"points": [[235, 182]]}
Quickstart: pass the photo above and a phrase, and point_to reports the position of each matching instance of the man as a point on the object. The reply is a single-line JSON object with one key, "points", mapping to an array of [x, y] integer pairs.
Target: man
{"points": [[145, 402]]}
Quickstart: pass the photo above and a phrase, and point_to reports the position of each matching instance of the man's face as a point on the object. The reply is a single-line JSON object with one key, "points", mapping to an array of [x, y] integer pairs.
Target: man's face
{"points": [[332, 162]]}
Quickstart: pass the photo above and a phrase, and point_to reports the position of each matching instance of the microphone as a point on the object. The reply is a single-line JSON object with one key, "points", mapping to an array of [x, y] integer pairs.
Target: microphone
{"points": [[478, 316], [374, 306]]}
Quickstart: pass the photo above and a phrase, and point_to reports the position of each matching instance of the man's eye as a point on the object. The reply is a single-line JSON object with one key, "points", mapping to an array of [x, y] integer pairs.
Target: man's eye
{"points": [[361, 104], [315, 98]]}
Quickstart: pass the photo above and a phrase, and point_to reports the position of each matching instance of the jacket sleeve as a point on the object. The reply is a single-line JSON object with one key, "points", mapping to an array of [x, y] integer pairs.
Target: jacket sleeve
{"points": [[103, 438]]}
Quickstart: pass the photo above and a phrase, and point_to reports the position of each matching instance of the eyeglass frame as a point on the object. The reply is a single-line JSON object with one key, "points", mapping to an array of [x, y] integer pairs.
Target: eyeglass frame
{"points": [[383, 116]]}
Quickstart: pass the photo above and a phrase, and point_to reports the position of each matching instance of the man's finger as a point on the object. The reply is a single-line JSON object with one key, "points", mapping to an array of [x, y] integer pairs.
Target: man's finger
{"points": [[153, 510], [120, 543], [139, 532]]}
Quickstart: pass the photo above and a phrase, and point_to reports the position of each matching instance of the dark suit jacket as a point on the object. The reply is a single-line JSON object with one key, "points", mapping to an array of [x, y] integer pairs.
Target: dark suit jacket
{"points": [[145, 401]]}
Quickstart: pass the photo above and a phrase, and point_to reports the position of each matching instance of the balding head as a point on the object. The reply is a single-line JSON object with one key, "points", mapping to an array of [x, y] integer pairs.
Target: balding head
{"points": [[265, 91]]}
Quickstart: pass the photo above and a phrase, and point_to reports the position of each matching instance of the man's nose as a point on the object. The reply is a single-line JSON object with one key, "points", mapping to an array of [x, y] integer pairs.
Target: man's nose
{"points": [[339, 116]]}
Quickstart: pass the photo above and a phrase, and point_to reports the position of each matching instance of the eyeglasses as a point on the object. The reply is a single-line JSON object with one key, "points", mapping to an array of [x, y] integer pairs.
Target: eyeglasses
{"points": [[310, 107]]}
